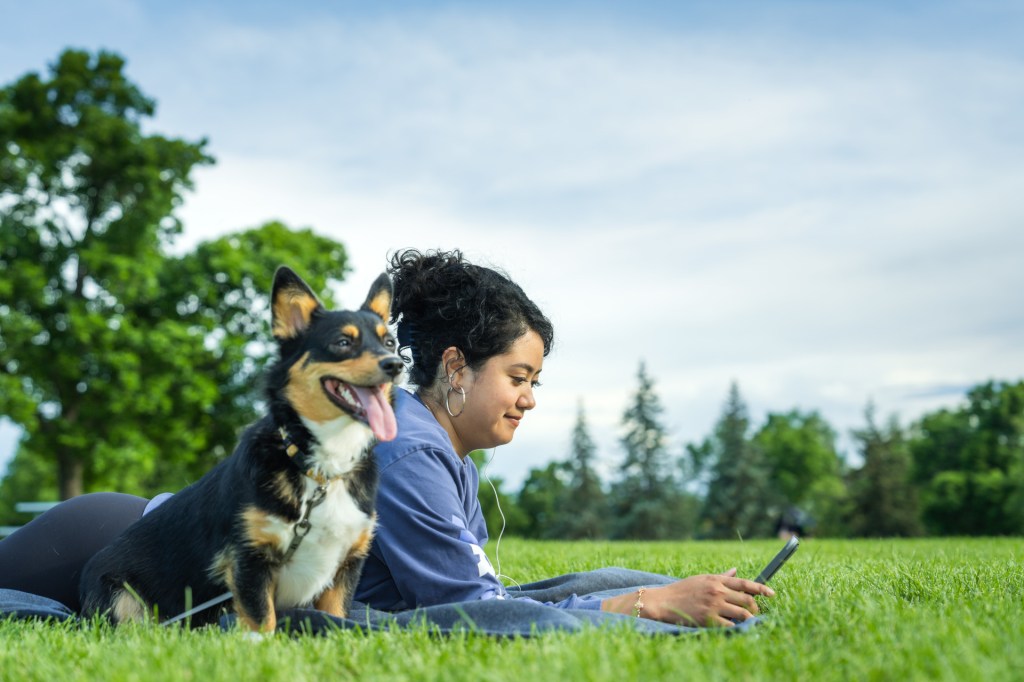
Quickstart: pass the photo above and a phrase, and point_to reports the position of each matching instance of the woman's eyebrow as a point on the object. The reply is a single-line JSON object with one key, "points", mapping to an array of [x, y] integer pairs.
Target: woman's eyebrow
{"points": [[525, 365]]}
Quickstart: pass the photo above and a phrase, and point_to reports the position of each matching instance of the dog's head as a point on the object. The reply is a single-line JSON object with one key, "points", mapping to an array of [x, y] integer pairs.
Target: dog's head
{"points": [[335, 364]]}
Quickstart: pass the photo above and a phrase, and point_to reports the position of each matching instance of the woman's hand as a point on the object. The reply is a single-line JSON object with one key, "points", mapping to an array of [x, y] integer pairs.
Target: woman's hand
{"points": [[710, 600]]}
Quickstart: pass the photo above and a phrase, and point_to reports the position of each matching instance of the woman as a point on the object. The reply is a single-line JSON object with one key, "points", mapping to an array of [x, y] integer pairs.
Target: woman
{"points": [[477, 346]]}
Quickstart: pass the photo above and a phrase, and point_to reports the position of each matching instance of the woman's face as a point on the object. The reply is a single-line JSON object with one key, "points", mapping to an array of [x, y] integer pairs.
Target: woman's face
{"points": [[498, 395]]}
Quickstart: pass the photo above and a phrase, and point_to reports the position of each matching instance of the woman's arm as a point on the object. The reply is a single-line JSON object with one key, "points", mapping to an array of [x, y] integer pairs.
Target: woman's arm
{"points": [[700, 600], [426, 544]]}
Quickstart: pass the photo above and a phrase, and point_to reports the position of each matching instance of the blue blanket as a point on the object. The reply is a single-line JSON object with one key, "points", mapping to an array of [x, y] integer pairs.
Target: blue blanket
{"points": [[500, 618]]}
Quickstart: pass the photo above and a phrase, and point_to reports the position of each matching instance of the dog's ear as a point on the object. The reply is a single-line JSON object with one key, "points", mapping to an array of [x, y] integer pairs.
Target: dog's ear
{"points": [[379, 299], [293, 304]]}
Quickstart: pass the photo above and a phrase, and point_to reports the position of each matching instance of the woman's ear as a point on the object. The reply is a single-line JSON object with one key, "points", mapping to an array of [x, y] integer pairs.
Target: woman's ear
{"points": [[452, 363]]}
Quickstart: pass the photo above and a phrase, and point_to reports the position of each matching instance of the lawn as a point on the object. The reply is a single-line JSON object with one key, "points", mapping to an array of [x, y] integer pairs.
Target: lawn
{"points": [[945, 609]]}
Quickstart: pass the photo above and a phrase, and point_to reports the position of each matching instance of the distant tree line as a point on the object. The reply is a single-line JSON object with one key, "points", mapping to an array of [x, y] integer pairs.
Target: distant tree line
{"points": [[952, 472]]}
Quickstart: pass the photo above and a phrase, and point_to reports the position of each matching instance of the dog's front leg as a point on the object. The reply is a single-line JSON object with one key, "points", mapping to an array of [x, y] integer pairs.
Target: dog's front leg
{"points": [[253, 589]]}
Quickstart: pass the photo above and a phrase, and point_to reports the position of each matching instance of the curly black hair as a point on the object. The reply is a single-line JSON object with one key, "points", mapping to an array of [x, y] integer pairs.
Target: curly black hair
{"points": [[442, 300]]}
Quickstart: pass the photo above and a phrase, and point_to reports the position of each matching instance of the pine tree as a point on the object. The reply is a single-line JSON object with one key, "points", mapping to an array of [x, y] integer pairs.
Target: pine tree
{"points": [[644, 439], [884, 500], [583, 513], [739, 500], [646, 501]]}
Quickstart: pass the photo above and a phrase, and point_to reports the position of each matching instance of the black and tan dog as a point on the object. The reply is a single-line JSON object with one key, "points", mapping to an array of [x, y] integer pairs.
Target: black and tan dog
{"points": [[287, 519]]}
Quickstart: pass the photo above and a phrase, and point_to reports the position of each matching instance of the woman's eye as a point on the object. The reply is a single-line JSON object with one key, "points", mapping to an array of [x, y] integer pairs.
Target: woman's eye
{"points": [[535, 384]]}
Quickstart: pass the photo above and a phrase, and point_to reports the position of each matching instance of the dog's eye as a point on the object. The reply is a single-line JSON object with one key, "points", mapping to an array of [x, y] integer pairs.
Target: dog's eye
{"points": [[342, 343], [389, 343]]}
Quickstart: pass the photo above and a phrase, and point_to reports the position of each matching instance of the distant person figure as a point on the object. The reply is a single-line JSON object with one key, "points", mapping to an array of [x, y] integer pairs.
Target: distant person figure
{"points": [[793, 521]]}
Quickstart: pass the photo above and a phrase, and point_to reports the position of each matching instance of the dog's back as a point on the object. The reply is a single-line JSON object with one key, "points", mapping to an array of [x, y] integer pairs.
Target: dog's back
{"points": [[161, 563]]}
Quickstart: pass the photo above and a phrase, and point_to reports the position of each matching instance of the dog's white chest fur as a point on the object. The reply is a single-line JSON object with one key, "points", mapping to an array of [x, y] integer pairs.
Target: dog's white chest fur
{"points": [[343, 444], [336, 525]]}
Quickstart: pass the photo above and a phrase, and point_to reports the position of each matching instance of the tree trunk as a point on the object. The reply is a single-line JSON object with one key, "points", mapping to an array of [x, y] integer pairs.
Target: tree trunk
{"points": [[69, 467], [69, 476]]}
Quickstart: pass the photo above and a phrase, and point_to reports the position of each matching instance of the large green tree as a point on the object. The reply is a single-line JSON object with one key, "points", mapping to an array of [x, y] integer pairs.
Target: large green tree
{"points": [[805, 469], [740, 501], [968, 463], [127, 367], [540, 498]]}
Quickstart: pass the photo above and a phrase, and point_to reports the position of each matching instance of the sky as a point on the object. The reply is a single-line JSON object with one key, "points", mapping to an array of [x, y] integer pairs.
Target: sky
{"points": [[820, 201]]}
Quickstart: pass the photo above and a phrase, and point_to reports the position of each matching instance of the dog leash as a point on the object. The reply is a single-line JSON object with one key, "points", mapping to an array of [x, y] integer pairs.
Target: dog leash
{"points": [[202, 607], [301, 529]]}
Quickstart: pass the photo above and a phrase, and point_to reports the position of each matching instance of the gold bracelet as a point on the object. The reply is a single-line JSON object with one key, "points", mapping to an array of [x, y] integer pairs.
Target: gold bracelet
{"points": [[639, 605]]}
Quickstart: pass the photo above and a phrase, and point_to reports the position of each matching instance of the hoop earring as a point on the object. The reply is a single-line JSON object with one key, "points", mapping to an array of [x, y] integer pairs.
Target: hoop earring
{"points": [[461, 391]]}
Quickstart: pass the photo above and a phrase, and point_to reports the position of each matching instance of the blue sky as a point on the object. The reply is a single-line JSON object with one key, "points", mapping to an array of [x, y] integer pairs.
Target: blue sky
{"points": [[819, 200]]}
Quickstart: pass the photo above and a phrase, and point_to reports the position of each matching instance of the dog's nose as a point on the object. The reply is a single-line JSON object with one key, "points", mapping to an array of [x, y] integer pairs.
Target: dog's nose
{"points": [[392, 366]]}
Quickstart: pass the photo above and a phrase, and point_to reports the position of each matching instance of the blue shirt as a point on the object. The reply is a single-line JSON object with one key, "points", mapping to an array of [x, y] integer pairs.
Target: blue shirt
{"points": [[428, 544]]}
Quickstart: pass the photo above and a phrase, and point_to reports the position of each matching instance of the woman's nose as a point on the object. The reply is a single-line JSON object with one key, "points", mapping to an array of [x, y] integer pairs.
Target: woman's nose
{"points": [[527, 401]]}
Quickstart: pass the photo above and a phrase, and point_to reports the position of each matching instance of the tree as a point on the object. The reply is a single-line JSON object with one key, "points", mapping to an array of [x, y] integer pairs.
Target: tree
{"points": [[884, 501], [740, 501], [583, 512], [127, 368], [804, 467], [646, 502], [968, 462], [539, 499], [87, 199]]}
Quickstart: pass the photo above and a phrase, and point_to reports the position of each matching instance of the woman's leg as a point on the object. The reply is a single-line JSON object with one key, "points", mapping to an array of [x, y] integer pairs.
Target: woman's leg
{"points": [[46, 556], [602, 582]]}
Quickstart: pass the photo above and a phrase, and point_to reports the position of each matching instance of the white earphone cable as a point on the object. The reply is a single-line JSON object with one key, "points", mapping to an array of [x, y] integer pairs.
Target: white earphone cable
{"points": [[497, 501]]}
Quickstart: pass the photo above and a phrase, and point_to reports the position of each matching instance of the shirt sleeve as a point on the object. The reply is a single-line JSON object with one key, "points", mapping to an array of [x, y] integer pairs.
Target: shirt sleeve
{"points": [[425, 539], [423, 534]]}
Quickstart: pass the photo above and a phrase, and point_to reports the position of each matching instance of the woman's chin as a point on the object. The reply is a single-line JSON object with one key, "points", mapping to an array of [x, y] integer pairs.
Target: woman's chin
{"points": [[503, 438]]}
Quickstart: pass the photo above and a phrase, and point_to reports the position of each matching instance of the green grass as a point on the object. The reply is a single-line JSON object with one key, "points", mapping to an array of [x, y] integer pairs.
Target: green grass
{"points": [[862, 610]]}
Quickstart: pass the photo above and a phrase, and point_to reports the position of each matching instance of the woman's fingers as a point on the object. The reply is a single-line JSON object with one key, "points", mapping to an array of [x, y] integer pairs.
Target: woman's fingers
{"points": [[748, 586], [719, 622], [736, 614], [741, 599], [708, 600]]}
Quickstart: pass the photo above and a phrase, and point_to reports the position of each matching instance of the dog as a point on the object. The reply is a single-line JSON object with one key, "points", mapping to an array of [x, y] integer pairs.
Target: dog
{"points": [[287, 519]]}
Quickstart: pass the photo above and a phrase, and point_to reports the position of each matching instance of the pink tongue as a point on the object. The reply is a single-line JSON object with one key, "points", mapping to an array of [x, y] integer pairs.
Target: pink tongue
{"points": [[379, 414]]}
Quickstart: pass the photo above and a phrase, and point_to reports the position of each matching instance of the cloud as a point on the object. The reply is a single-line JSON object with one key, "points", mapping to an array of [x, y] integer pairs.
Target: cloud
{"points": [[804, 227], [819, 202]]}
